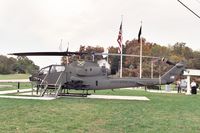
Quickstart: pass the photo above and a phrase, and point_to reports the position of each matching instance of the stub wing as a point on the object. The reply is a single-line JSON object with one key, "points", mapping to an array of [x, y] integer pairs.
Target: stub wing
{"points": [[148, 82]]}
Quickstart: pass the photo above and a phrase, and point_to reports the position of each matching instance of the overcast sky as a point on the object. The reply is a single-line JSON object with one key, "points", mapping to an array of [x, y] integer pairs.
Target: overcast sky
{"points": [[39, 25]]}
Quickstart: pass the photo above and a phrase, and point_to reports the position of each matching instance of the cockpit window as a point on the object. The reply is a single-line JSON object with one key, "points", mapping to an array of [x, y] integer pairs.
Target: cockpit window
{"points": [[44, 70], [57, 69]]}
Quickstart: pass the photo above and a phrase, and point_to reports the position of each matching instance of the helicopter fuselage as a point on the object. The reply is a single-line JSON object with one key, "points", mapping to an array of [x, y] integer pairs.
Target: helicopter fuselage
{"points": [[86, 75]]}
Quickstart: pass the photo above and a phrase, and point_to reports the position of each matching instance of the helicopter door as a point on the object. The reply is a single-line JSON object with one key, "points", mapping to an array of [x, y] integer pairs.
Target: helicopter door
{"points": [[43, 72], [56, 75]]}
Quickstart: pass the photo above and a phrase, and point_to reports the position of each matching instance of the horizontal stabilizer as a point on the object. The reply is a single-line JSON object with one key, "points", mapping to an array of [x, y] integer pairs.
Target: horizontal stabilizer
{"points": [[168, 62]]}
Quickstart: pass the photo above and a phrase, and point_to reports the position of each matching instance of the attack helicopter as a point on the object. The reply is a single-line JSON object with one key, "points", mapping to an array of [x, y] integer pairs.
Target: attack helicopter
{"points": [[89, 75]]}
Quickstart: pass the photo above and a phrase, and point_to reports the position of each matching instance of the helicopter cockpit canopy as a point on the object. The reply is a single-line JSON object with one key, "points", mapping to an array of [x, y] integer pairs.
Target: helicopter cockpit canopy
{"points": [[51, 69]]}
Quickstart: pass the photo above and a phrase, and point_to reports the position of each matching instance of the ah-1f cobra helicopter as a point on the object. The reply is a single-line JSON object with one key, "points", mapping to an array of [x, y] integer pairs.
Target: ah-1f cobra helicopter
{"points": [[88, 75]]}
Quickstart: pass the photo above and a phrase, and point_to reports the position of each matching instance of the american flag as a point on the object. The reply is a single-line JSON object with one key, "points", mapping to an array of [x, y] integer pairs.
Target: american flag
{"points": [[119, 39]]}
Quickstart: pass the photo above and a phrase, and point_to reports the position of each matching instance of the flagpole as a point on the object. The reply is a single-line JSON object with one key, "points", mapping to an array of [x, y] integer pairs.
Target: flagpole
{"points": [[121, 62], [140, 58], [141, 54], [121, 52]]}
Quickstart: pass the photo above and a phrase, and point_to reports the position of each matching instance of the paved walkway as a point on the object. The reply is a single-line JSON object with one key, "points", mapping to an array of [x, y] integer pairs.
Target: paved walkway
{"points": [[15, 91], [15, 80], [5, 86], [113, 97], [163, 91], [27, 97], [22, 97]]}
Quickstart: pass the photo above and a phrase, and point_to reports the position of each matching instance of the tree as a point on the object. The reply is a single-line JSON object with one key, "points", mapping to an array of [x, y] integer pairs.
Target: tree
{"points": [[7, 65], [24, 65], [113, 60]]}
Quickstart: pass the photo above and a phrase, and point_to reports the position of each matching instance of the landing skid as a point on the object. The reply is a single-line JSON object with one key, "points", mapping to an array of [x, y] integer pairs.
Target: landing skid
{"points": [[65, 92], [74, 94]]}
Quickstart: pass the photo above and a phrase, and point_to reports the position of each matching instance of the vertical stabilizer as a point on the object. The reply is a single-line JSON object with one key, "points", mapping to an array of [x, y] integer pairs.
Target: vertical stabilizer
{"points": [[170, 76]]}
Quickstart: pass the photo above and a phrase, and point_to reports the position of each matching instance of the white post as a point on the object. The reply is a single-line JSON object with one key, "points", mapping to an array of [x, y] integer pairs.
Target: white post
{"points": [[160, 80], [93, 57], [152, 69], [141, 57], [188, 86], [32, 88], [107, 53]]}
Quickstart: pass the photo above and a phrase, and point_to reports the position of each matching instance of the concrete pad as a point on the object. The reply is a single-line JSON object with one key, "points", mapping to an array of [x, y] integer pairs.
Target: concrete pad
{"points": [[29, 94], [139, 98], [133, 88], [30, 98], [162, 91]]}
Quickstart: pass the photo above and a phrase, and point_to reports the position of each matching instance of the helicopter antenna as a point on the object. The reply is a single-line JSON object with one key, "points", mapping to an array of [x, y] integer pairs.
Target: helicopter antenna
{"points": [[67, 58], [67, 47], [60, 46], [189, 9]]}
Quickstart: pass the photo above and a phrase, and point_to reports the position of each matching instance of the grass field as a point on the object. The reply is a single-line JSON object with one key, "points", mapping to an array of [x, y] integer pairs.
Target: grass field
{"points": [[171, 113]]}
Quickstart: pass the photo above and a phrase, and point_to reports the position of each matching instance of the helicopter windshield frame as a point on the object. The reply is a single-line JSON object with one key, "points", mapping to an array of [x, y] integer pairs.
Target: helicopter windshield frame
{"points": [[51, 69]]}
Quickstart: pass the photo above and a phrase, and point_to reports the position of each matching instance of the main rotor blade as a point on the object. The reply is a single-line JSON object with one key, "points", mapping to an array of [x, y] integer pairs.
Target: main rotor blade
{"points": [[48, 53]]}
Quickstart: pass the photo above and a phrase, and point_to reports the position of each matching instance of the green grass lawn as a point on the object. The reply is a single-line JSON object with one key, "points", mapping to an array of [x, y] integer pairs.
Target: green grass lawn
{"points": [[171, 113]]}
